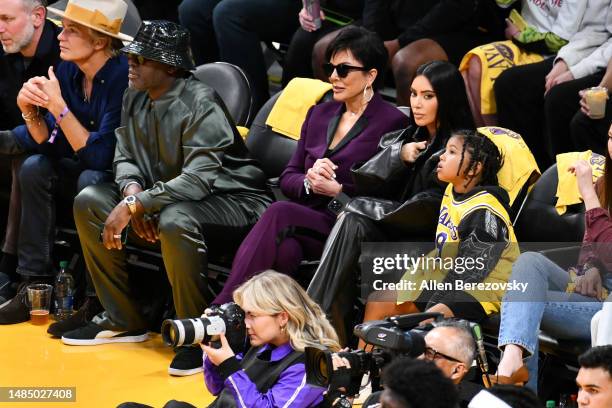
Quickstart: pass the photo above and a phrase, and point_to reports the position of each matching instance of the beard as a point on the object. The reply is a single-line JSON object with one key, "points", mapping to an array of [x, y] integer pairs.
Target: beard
{"points": [[20, 41]]}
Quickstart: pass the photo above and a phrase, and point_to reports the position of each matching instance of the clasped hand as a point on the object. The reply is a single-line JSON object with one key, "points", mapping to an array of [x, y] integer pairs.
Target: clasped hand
{"points": [[41, 92], [322, 178]]}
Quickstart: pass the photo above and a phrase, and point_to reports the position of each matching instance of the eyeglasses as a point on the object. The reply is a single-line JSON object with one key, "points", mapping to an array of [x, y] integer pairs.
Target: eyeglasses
{"points": [[138, 58], [432, 354], [341, 69]]}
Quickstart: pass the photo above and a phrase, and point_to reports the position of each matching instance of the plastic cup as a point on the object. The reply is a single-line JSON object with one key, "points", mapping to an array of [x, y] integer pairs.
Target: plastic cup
{"points": [[39, 300], [596, 98]]}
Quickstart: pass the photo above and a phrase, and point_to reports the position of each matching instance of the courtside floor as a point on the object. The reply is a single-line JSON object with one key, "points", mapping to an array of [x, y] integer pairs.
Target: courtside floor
{"points": [[104, 376]]}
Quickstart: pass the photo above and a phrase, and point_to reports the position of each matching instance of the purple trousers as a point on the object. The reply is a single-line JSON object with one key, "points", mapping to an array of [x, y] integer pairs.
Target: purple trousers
{"points": [[271, 244]]}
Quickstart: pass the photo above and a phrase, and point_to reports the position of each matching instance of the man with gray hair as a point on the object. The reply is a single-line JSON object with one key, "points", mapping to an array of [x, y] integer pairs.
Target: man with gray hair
{"points": [[451, 347], [29, 47]]}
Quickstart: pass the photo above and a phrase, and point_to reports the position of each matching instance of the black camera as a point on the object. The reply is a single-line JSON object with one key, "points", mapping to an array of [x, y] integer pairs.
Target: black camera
{"points": [[391, 337], [227, 318]]}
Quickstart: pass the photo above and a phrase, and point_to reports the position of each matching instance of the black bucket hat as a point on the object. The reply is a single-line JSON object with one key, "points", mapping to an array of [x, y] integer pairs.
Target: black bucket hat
{"points": [[162, 41]]}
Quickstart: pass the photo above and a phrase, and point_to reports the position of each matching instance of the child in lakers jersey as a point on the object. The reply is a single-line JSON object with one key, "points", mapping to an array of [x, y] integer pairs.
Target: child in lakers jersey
{"points": [[467, 273]]}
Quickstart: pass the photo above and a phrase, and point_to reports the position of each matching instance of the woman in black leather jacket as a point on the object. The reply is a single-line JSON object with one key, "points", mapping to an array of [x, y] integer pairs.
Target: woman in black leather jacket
{"points": [[398, 192]]}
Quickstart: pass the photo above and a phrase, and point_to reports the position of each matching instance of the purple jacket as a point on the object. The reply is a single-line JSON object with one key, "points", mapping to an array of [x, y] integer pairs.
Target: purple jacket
{"points": [[358, 145], [290, 390]]}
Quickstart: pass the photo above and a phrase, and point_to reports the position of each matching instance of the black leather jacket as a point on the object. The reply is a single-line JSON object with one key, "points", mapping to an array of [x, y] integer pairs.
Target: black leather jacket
{"points": [[407, 197]]}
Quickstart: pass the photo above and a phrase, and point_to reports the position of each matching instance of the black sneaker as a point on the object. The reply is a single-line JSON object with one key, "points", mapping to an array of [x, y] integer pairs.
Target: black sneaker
{"points": [[7, 288], [16, 310], [92, 335], [90, 308], [187, 361]]}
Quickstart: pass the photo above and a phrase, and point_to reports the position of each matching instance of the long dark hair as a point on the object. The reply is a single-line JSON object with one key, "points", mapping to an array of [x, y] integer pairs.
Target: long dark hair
{"points": [[453, 107], [604, 192]]}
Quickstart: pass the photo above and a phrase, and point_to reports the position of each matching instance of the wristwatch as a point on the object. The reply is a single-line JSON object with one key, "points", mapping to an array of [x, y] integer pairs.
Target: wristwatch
{"points": [[130, 201]]}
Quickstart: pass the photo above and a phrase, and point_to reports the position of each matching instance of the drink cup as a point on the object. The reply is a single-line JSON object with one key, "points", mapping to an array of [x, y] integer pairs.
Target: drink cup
{"points": [[596, 98], [39, 300]]}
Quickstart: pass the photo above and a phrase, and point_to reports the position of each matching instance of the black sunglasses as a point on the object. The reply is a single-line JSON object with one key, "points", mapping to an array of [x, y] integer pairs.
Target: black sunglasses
{"points": [[341, 69], [432, 354]]}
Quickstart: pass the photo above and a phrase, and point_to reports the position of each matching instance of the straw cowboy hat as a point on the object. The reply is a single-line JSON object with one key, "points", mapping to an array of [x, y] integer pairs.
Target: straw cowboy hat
{"points": [[104, 16]]}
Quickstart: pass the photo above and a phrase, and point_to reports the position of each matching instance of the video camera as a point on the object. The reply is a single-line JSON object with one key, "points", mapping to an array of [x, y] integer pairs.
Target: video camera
{"points": [[227, 319], [394, 336]]}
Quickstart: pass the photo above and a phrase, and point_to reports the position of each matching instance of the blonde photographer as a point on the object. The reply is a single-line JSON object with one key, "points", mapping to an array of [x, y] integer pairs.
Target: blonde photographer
{"points": [[281, 320]]}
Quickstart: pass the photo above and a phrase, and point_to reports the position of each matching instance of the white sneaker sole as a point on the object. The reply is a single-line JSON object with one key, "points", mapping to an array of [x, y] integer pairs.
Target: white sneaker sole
{"points": [[105, 340], [184, 373]]}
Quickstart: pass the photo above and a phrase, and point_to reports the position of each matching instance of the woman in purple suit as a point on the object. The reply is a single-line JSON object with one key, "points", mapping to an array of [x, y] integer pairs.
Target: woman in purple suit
{"points": [[335, 136]]}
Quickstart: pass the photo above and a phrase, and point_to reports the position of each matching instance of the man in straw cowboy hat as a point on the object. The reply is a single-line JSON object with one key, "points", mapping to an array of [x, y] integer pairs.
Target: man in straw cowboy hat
{"points": [[30, 46], [183, 177], [72, 143]]}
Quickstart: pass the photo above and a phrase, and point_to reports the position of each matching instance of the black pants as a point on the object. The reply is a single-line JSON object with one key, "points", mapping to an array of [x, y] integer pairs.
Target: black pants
{"points": [[197, 17], [542, 120], [334, 286], [566, 128], [299, 58], [240, 26], [47, 183], [519, 93], [591, 134]]}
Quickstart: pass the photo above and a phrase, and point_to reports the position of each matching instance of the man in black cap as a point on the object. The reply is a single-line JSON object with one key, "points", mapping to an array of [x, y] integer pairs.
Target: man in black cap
{"points": [[182, 177]]}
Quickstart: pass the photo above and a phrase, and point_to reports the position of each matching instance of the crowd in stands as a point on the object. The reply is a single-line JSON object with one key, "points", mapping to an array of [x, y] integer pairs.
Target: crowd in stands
{"points": [[146, 154]]}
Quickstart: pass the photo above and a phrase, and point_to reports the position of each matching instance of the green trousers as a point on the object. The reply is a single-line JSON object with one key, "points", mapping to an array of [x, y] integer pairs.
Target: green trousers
{"points": [[188, 232]]}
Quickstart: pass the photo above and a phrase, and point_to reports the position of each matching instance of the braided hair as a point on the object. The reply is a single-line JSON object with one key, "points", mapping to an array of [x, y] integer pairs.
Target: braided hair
{"points": [[482, 150]]}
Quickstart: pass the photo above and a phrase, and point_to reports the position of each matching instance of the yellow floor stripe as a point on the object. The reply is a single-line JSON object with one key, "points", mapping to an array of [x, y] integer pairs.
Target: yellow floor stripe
{"points": [[104, 376]]}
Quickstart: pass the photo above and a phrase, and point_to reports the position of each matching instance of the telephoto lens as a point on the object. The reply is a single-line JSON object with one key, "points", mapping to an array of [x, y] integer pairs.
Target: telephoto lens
{"points": [[226, 319], [178, 333]]}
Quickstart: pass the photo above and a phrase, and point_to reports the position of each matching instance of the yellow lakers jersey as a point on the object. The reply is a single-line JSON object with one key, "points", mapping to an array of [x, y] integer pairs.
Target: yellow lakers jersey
{"points": [[452, 213]]}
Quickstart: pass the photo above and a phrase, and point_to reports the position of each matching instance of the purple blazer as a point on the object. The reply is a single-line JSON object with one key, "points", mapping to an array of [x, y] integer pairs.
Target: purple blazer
{"points": [[358, 145]]}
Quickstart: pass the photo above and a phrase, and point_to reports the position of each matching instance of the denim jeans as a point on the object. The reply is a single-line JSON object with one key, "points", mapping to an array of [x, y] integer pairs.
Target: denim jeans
{"points": [[544, 305], [43, 180]]}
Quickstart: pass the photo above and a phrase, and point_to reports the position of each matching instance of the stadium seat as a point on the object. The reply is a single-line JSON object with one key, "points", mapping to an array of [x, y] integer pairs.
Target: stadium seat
{"points": [[538, 220], [233, 87]]}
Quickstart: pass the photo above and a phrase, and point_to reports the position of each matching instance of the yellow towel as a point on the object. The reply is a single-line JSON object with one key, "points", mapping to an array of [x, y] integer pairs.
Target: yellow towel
{"points": [[244, 132], [519, 166], [495, 58], [291, 108], [567, 189]]}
